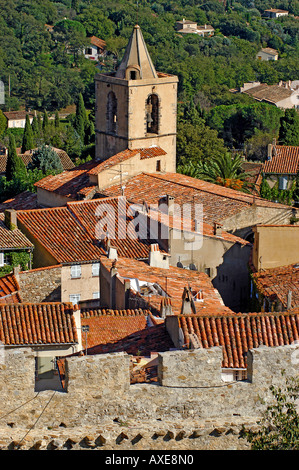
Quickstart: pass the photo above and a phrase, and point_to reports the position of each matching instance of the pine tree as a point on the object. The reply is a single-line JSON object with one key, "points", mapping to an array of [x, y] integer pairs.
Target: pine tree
{"points": [[45, 121], [15, 166], [28, 138], [45, 159], [80, 121], [289, 128], [57, 120]]}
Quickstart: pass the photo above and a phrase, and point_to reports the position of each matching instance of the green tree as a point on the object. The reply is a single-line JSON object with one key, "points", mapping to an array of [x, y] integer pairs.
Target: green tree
{"points": [[289, 128], [280, 421], [3, 123], [224, 170], [57, 120], [15, 167], [28, 138], [45, 159]]}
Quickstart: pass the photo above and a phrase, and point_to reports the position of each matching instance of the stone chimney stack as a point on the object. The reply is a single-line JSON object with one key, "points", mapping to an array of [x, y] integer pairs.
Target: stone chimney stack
{"points": [[156, 258], [188, 306], [217, 229], [165, 307], [10, 219]]}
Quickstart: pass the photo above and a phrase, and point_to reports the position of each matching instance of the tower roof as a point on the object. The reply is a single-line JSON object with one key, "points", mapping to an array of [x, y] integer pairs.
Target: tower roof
{"points": [[137, 58]]}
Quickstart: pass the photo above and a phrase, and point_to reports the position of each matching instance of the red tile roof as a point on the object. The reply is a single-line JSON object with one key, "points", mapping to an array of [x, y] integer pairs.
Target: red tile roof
{"points": [[241, 332], [98, 42], [123, 330], [69, 182], [23, 201], [276, 283], [172, 281], [9, 290], [270, 93], [12, 239], [285, 160], [126, 155], [37, 324], [69, 233], [218, 202]]}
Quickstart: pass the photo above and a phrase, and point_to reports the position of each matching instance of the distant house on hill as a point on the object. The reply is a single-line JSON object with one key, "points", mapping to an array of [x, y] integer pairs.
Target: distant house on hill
{"points": [[275, 13], [187, 27], [267, 54], [283, 95], [17, 118], [282, 165], [96, 48]]}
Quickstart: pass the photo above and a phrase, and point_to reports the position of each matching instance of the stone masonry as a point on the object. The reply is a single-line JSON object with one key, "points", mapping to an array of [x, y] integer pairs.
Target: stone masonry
{"points": [[190, 408]]}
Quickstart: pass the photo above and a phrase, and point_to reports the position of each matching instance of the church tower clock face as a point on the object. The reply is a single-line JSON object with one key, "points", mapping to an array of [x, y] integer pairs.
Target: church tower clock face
{"points": [[136, 106]]}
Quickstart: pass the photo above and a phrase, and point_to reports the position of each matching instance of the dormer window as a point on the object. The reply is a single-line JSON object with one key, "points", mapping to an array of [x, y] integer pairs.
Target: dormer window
{"points": [[133, 73]]}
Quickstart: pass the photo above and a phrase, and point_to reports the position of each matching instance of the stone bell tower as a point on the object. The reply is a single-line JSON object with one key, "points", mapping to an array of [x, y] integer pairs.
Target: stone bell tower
{"points": [[136, 106]]}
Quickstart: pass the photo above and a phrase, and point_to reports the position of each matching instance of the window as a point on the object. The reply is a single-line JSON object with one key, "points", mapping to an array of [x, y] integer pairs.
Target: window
{"points": [[75, 298], [283, 182], [75, 271], [158, 165], [152, 114], [111, 112], [95, 269], [133, 75], [96, 295]]}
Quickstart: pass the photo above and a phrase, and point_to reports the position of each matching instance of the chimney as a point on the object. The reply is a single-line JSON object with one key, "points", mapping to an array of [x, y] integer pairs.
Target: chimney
{"points": [[170, 204], [157, 259], [112, 253], [270, 151], [10, 219], [188, 306], [217, 229], [165, 307], [113, 274]]}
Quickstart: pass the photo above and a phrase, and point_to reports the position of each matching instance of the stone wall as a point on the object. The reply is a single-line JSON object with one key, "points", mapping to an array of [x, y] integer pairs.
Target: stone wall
{"points": [[98, 394], [41, 285]]}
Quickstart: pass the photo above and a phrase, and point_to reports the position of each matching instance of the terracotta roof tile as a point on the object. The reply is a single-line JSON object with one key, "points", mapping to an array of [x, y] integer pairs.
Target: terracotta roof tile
{"points": [[37, 324], [9, 290], [12, 239], [276, 283], [240, 332], [270, 93], [218, 202], [124, 330], [23, 201], [285, 160]]}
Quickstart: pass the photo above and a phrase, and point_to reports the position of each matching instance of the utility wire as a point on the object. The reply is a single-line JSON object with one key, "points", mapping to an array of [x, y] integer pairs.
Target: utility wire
{"points": [[23, 404], [20, 442]]}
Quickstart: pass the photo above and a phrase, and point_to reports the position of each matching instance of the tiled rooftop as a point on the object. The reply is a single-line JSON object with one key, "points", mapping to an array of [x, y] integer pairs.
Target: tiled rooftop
{"points": [[66, 162], [23, 201], [9, 290], [125, 330], [270, 93], [285, 160], [69, 233], [218, 202], [172, 282], [37, 324], [276, 283], [125, 155], [240, 332], [12, 239]]}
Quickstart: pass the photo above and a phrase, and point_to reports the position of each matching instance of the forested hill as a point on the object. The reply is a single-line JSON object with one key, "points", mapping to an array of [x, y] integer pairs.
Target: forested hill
{"points": [[47, 72], [43, 76]]}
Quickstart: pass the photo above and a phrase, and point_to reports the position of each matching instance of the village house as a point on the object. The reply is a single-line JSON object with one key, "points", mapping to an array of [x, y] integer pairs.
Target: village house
{"points": [[275, 245], [267, 53], [14, 245], [275, 13], [187, 27], [276, 289], [9, 289], [96, 49], [282, 95], [50, 329], [17, 118], [281, 166]]}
